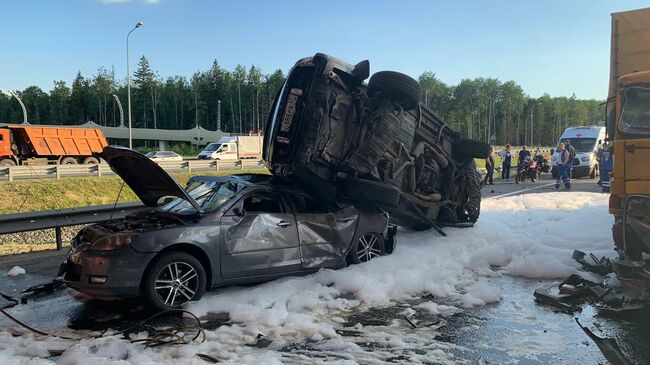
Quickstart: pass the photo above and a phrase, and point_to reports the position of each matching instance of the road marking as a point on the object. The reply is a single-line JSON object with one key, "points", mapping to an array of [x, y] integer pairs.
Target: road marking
{"points": [[520, 191]]}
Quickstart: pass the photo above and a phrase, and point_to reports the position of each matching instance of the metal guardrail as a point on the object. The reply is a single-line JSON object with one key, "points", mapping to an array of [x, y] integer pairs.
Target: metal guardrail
{"points": [[10, 173], [56, 219]]}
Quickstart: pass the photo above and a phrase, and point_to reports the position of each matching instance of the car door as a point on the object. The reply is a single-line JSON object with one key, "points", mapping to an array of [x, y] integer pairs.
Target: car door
{"points": [[259, 237], [324, 232]]}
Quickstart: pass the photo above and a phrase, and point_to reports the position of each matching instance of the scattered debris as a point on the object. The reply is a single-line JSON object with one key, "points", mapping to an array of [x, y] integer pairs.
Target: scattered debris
{"points": [[12, 302], [261, 342], [602, 266], [208, 358], [410, 322], [576, 290], [15, 271], [38, 290], [608, 347]]}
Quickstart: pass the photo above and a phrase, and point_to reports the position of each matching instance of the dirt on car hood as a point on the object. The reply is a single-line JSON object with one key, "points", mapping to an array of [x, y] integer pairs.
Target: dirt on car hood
{"points": [[147, 180]]}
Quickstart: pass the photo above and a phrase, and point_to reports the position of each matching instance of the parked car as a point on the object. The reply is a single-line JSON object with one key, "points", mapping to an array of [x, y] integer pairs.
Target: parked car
{"points": [[376, 143], [164, 156], [218, 231]]}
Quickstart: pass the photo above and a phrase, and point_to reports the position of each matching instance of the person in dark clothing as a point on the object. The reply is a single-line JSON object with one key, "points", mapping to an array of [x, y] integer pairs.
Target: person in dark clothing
{"points": [[506, 163], [522, 157], [489, 166], [572, 155]]}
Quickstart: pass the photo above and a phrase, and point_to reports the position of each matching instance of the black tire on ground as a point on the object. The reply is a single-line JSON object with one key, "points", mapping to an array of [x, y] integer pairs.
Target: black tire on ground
{"points": [[470, 148], [91, 161], [366, 247], [520, 177], [69, 161], [174, 279], [7, 162], [473, 191], [397, 86], [370, 191]]}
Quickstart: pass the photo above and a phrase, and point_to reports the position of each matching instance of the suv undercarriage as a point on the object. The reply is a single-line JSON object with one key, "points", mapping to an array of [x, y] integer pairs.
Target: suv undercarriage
{"points": [[373, 143]]}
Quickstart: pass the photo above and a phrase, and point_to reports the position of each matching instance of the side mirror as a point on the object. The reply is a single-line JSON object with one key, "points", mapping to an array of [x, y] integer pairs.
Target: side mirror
{"points": [[238, 212], [362, 70], [165, 200]]}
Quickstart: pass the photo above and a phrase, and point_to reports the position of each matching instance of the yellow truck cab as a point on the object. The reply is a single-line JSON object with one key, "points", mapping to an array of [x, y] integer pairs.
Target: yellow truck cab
{"points": [[628, 111]]}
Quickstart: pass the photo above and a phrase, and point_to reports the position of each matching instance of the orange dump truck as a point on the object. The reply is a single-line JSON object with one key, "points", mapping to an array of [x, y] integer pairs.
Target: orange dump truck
{"points": [[22, 145]]}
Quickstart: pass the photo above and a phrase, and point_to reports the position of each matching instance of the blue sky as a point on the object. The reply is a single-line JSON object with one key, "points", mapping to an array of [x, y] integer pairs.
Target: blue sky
{"points": [[555, 46]]}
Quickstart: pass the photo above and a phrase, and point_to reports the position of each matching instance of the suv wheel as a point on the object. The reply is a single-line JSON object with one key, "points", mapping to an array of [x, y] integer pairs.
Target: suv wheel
{"points": [[367, 247], [473, 191], [397, 86], [175, 279]]}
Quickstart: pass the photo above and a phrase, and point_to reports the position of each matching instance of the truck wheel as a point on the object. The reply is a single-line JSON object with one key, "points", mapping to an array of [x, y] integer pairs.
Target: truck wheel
{"points": [[69, 161], [7, 162], [372, 192], [402, 88], [90, 161], [473, 191]]}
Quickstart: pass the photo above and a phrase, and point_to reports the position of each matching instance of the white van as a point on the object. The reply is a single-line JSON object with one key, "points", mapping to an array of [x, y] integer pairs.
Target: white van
{"points": [[233, 148], [586, 141]]}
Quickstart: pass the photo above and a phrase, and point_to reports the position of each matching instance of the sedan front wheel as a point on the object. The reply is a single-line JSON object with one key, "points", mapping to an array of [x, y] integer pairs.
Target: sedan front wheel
{"points": [[367, 247], [175, 279]]}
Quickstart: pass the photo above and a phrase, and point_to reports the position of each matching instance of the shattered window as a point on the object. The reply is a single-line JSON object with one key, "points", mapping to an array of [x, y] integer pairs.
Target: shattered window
{"points": [[209, 195], [635, 117]]}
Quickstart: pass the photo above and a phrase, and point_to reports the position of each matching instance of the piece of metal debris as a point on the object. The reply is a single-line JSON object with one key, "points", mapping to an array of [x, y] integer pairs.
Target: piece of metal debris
{"points": [[208, 358], [40, 289], [602, 266], [608, 347]]}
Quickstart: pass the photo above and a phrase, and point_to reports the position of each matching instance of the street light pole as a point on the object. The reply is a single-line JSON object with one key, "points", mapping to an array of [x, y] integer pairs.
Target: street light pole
{"points": [[128, 72]]}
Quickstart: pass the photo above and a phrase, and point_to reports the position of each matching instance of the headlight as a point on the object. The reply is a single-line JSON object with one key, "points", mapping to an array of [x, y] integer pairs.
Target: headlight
{"points": [[113, 242], [585, 159]]}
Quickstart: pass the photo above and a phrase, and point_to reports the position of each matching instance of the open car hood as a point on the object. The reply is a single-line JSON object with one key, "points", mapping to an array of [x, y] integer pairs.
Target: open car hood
{"points": [[147, 180]]}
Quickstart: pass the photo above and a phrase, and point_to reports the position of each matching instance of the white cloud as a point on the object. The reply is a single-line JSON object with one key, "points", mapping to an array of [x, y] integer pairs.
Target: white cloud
{"points": [[152, 1]]}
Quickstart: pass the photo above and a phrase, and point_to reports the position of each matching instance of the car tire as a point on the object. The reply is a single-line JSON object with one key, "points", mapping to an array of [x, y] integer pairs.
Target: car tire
{"points": [[69, 161], [473, 191], [366, 247], [91, 161], [397, 86], [174, 268], [369, 191], [470, 148]]}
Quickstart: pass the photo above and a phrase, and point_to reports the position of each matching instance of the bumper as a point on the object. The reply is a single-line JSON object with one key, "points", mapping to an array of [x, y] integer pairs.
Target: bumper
{"points": [[105, 274], [576, 171]]}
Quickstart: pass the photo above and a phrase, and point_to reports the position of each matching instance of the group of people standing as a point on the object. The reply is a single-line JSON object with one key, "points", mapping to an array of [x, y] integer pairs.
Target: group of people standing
{"points": [[506, 163], [566, 154]]}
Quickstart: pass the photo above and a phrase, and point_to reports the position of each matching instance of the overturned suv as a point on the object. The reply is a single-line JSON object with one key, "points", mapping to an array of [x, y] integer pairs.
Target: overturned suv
{"points": [[374, 143], [217, 231]]}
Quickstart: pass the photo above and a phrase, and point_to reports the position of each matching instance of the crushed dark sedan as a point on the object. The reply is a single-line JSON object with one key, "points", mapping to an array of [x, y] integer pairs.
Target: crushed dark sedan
{"points": [[217, 231]]}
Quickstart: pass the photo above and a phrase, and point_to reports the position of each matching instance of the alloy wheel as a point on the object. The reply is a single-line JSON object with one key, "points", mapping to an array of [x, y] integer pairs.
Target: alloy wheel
{"points": [[176, 284], [368, 247]]}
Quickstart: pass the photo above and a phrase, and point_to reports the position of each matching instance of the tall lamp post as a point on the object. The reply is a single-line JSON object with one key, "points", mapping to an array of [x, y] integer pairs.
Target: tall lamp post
{"points": [[128, 72]]}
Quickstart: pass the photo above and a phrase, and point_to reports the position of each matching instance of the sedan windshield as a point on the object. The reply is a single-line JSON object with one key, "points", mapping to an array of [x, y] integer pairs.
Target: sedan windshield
{"points": [[150, 154], [635, 117], [210, 196]]}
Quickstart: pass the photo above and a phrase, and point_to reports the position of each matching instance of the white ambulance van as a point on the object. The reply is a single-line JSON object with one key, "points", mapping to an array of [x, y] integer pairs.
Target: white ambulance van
{"points": [[585, 140]]}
